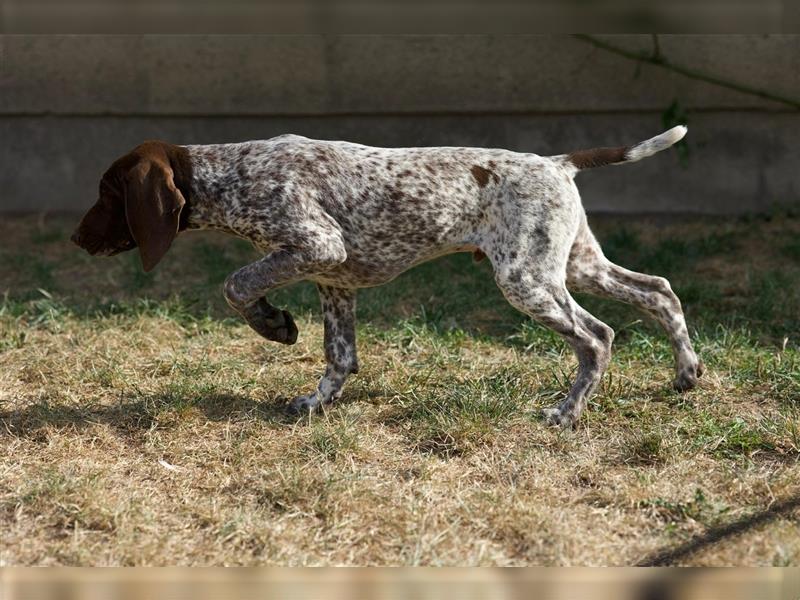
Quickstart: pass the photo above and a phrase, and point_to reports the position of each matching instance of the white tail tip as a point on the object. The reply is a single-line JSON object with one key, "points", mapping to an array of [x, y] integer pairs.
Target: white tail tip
{"points": [[656, 144], [676, 134]]}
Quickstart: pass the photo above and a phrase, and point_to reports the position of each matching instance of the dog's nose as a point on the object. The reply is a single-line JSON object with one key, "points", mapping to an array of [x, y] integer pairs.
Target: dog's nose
{"points": [[76, 238]]}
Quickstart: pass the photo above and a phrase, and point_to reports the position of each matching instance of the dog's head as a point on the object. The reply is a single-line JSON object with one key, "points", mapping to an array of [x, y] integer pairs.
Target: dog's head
{"points": [[140, 204]]}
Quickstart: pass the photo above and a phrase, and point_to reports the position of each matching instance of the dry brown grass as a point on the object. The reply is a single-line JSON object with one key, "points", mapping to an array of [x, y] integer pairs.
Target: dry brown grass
{"points": [[152, 432]]}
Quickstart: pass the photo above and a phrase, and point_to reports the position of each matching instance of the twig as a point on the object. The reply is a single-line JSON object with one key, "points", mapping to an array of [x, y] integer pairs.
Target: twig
{"points": [[656, 48], [659, 60]]}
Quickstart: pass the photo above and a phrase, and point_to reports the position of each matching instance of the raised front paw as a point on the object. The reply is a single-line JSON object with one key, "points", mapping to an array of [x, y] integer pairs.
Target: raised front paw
{"points": [[687, 377], [271, 323]]}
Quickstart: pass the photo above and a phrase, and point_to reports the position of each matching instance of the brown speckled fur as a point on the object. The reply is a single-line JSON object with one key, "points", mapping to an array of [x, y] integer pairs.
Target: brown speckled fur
{"points": [[348, 216]]}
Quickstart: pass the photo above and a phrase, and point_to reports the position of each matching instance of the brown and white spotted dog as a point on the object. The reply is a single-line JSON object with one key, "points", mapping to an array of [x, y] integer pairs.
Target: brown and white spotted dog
{"points": [[347, 216]]}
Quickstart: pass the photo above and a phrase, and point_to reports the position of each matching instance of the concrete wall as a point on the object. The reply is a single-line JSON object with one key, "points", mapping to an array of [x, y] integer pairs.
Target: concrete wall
{"points": [[69, 105], [395, 16]]}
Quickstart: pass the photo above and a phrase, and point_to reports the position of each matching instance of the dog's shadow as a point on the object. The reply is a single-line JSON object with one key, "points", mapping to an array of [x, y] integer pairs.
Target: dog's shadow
{"points": [[132, 417]]}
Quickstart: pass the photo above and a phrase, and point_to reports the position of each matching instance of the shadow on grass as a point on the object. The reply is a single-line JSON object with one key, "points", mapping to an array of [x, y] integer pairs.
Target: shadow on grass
{"points": [[132, 418], [671, 555]]}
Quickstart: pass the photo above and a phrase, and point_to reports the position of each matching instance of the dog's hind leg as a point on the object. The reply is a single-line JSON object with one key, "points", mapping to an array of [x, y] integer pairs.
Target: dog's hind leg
{"points": [[588, 270], [544, 298]]}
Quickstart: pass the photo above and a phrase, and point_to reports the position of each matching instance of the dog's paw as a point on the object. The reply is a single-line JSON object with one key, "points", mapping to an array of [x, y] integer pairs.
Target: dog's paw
{"points": [[555, 417], [272, 323], [688, 376], [310, 403], [284, 331]]}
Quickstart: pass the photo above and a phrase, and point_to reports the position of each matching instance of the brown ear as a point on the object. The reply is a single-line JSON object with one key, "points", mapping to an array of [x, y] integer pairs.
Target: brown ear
{"points": [[152, 207]]}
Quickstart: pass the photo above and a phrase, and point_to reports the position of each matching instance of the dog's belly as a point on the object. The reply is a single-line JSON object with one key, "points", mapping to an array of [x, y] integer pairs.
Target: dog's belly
{"points": [[358, 271]]}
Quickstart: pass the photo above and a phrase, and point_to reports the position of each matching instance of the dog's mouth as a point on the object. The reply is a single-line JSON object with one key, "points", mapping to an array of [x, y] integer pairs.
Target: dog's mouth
{"points": [[113, 251], [97, 247], [124, 247]]}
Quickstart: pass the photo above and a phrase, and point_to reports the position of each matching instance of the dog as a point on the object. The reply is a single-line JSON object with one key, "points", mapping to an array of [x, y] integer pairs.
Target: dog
{"points": [[348, 216]]}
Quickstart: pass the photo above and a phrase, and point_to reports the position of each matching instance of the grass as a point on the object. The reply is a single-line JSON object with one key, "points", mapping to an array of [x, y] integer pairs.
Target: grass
{"points": [[141, 423]]}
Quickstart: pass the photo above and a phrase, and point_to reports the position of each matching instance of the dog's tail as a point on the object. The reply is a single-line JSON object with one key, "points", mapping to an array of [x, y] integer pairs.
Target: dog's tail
{"points": [[599, 157]]}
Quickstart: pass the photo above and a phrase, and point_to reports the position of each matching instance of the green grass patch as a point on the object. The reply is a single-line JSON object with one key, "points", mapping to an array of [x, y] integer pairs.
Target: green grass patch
{"points": [[447, 417]]}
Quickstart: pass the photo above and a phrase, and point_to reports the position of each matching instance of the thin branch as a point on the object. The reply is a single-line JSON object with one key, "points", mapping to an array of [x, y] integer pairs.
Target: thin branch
{"points": [[659, 60], [656, 48]]}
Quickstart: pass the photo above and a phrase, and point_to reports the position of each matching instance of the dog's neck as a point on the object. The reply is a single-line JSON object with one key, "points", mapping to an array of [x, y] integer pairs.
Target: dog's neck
{"points": [[211, 175]]}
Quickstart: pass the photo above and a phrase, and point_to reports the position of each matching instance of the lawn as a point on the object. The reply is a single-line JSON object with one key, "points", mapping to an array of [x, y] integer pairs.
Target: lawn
{"points": [[142, 423]]}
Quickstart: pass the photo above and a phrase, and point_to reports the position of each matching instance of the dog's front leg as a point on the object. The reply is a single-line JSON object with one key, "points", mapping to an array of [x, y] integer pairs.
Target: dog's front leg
{"points": [[339, 315], [245, 289]]}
